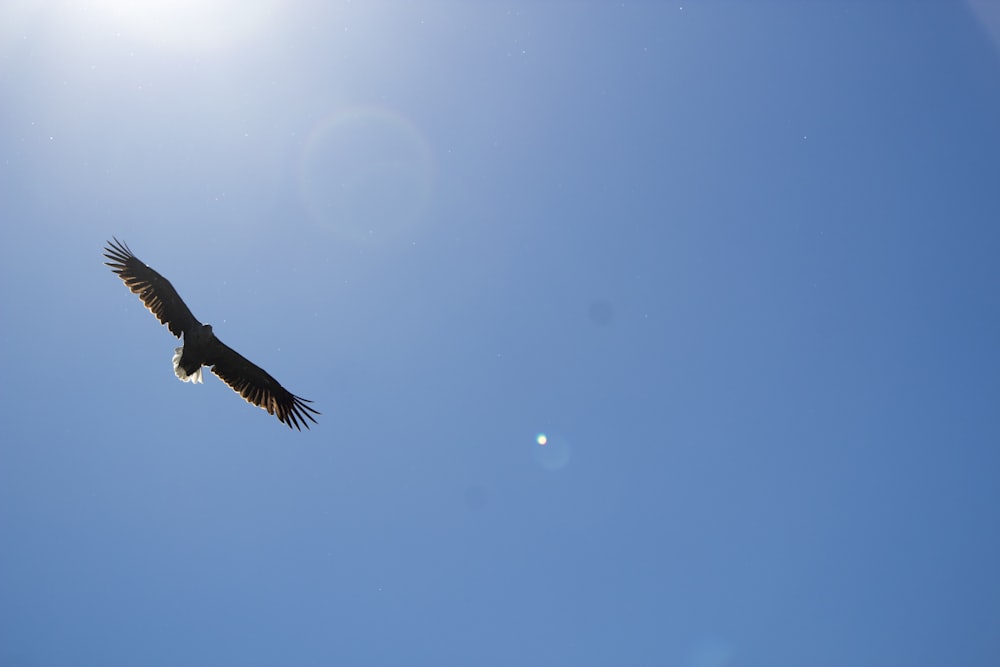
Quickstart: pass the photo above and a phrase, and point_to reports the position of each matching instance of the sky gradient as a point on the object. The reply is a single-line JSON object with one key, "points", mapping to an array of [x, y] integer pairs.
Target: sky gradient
{"points": [[736, 262]]}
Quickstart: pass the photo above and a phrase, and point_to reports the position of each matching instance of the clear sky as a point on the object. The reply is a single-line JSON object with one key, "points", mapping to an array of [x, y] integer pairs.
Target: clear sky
{"points": [[735, 264]]}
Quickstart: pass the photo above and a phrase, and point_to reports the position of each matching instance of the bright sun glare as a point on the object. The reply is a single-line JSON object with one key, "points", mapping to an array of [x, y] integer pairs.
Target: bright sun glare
{"points": [[198, 25]]}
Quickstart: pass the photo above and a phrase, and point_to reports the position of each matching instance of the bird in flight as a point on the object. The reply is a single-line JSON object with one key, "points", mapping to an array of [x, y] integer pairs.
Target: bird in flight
{"points": [[201, 347]]}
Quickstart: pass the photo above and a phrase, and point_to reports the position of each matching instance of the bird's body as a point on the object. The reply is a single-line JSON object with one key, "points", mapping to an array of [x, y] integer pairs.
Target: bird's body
{"points": [[201, 347], [190, 357]]}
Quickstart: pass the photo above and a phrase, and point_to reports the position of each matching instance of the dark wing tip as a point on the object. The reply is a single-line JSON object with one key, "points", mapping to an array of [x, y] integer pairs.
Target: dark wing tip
{"points": [[119, 254], [297, 412]]}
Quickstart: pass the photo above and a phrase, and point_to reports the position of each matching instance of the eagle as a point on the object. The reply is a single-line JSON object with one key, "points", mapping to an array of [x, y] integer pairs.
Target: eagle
{"points": [[201, 347]]}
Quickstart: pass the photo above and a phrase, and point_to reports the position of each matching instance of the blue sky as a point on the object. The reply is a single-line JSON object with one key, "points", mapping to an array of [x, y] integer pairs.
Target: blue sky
{"points": [[736, 261]]}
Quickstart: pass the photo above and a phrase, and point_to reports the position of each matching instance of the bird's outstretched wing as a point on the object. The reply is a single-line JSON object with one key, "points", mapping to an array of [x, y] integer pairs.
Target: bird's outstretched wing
{"points": [[156, 292], [255, 385]]}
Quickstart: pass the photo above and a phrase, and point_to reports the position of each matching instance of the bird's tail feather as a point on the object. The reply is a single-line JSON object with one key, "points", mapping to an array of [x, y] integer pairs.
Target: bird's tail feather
{"points": [[181, 373]]}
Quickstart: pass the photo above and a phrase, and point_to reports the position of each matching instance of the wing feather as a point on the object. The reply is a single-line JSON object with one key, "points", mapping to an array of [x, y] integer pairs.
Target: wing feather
{"points": [[155, 291], [255, 385]]}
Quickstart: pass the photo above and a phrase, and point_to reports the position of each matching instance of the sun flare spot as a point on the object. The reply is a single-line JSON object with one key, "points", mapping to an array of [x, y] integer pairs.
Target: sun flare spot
{"points": [[552, 452]]}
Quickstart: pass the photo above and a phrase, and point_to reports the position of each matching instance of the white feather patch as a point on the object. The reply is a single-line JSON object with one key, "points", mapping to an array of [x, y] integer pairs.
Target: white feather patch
{"points": [[179, 372]]}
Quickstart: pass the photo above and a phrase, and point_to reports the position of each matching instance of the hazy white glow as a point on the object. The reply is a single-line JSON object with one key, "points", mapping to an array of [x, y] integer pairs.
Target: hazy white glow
{"points": [[198, 25]]}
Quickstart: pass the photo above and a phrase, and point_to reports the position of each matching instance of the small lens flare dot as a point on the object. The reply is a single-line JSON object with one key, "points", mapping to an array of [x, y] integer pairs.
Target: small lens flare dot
{"points": [[552, 451]]}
